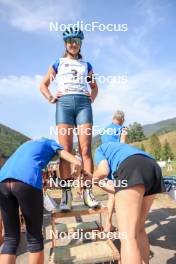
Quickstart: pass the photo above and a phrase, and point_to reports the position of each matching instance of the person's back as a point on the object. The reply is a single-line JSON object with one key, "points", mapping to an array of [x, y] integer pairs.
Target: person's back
{"points": [[27, 162], [137, 179], [116, 153], [21, 186], [115, 132]]}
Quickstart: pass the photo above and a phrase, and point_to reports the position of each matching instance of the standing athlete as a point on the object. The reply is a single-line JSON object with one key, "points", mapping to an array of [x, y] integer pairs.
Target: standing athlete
{"points": [[73, 108]]}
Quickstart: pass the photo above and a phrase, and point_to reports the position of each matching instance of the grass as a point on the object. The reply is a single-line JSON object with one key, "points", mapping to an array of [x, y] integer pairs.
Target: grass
{"points": [[170, 136], [170, 173]]}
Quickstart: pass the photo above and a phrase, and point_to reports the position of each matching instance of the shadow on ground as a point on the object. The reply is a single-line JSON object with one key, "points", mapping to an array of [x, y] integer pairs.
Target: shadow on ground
{"points": [[163, 235]]}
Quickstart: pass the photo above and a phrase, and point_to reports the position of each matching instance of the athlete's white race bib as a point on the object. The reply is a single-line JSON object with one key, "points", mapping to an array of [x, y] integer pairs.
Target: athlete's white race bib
{"points": [[72, 76]]}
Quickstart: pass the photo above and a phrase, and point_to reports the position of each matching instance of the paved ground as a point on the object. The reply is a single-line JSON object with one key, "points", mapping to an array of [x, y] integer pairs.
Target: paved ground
{"points": [[161, 227]]}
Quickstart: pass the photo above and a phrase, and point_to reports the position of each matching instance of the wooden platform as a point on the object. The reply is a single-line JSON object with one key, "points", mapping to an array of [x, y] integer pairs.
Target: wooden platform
{"points": [[86, 253], [77, 210], [81, 251], [73, 227]]}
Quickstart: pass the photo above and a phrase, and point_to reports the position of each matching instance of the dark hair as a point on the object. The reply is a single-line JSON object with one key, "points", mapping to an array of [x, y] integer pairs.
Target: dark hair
{"points": [[79, 55]]}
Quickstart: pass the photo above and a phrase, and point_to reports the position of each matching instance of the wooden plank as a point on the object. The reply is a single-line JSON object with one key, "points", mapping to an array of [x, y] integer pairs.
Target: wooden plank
{"points": [[87, 253], [73, 227], [78, 210]]}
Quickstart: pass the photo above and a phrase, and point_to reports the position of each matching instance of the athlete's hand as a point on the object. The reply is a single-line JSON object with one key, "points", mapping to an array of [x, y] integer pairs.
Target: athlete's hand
{"points": [[92, 100], [77, 170], [52, 99], [87, 175]]}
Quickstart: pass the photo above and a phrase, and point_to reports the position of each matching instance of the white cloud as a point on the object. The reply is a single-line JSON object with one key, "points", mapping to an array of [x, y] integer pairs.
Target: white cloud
{"points": [[147, 98], [134, 49], [19, 87], [36, 15], [154, 11], [22, 106]]}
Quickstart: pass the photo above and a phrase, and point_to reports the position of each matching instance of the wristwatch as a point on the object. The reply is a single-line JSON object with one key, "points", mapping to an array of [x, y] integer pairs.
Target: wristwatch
{"points": [[50, 98]]}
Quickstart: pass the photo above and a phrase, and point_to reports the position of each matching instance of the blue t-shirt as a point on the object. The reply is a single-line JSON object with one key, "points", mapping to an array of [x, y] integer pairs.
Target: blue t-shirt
{"points": [[27, 162], [115, 154], [112, 133]]}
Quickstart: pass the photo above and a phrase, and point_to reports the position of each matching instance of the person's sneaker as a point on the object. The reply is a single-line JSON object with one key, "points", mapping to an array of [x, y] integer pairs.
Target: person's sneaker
{"points": [[66, 200], [89, 198]]}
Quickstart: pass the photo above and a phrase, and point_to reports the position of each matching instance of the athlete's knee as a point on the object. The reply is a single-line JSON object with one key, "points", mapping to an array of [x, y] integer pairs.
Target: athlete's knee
{"points": [[86, 152], [11, 244], [128, 239], [67, 147], [131, 234], [35, 242]]}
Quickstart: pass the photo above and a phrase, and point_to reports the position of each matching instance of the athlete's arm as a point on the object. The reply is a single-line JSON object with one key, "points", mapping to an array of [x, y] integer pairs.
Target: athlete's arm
{"points": [[93, 85], [44, 86], [99, 174], [102, 170], [72, 159], [123, 137], [69, 157]]}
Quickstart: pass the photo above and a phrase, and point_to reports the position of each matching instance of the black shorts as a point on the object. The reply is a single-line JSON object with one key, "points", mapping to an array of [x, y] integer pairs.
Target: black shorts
{"points": [[140, 169]]}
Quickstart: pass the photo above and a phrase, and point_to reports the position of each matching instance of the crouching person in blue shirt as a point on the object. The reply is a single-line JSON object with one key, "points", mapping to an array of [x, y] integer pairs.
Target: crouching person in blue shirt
{"points": [[114, 132], [21, 185], [141, 179]]}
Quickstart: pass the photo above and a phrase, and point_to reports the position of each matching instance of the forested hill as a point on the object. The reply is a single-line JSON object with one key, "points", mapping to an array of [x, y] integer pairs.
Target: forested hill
{"points": [[10, 140]]}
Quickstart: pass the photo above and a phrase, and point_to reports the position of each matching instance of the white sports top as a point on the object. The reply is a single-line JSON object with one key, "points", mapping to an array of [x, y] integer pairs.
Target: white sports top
{"points": [[72, 76]]}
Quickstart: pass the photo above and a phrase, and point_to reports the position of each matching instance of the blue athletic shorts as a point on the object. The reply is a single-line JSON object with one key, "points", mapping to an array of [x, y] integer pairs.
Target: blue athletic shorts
{"points": [[74, 110]]}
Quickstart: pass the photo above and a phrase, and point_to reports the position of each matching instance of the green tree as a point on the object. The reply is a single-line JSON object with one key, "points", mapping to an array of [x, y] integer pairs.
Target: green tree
{"points": [[135, 133], [167, 151], [155, 147]]}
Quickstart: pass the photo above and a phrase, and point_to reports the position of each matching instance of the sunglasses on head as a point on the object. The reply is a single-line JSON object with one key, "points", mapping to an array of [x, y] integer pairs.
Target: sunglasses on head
{"points": [[74, 40]]}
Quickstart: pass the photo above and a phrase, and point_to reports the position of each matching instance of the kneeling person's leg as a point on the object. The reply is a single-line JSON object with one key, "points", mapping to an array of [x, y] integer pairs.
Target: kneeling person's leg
{"points": [[1, 230], [128, 204], [10, 217], [31, 203]]}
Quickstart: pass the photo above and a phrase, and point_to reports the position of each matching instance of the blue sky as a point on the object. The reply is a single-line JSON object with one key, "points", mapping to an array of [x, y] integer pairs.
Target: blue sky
{"points": [[145, 54]]}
